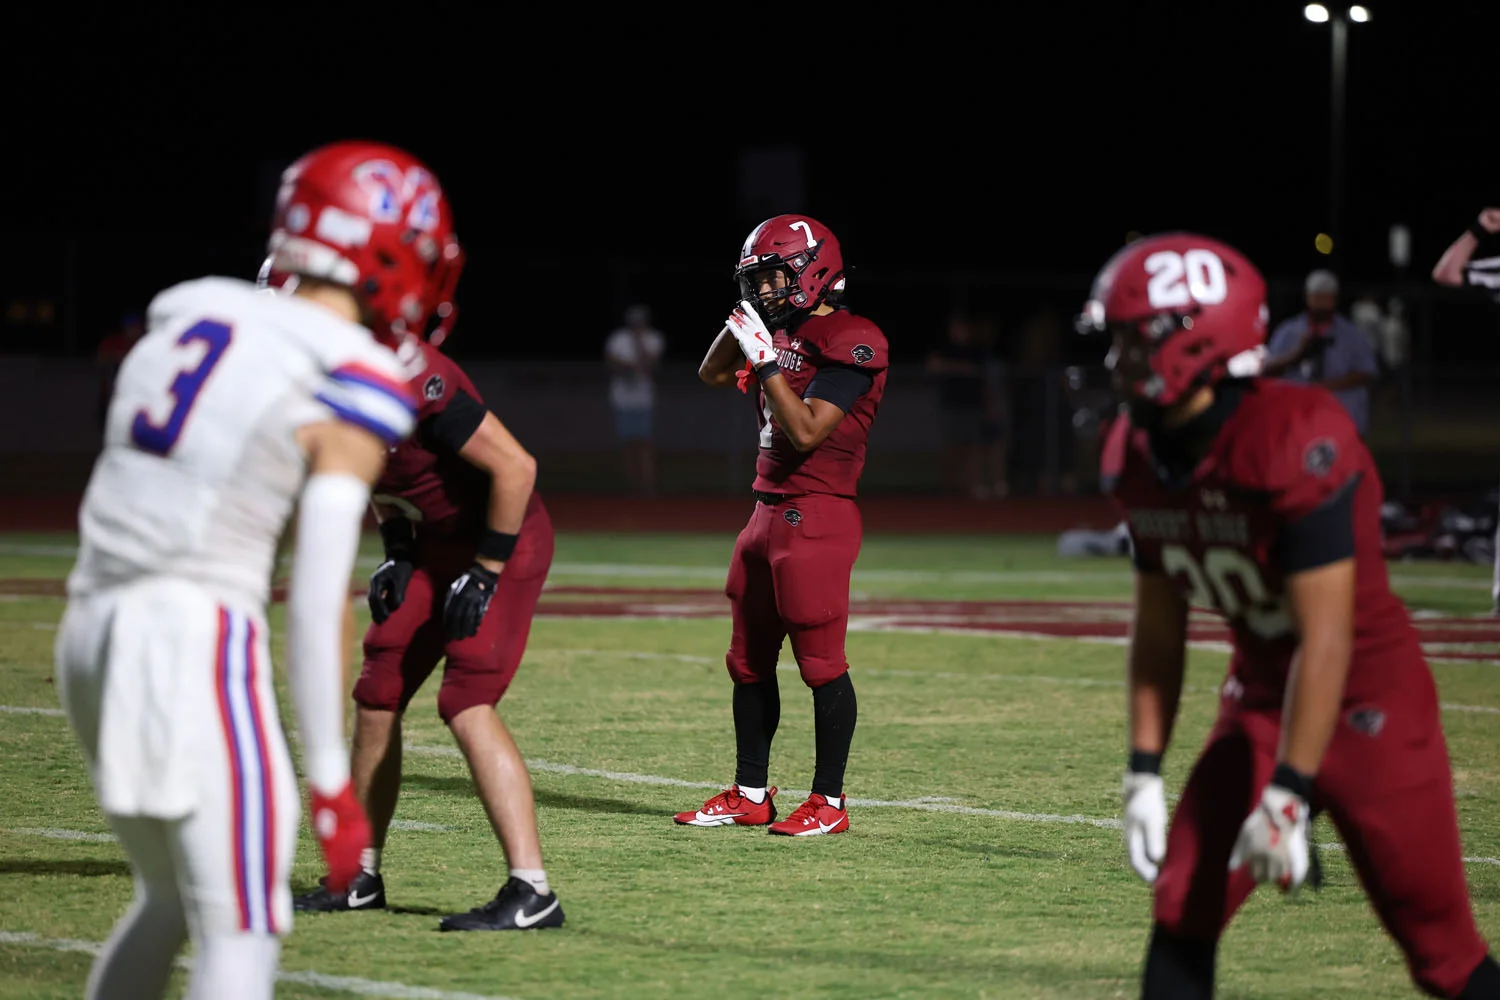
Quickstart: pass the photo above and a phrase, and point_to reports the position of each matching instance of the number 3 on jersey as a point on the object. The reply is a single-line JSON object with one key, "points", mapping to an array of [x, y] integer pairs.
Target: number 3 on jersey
{"points": [[159, 439], [1211, 584]]}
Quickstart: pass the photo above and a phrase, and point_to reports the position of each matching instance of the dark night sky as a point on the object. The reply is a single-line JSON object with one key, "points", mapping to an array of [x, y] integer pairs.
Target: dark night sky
{"points": [[950, 144]]}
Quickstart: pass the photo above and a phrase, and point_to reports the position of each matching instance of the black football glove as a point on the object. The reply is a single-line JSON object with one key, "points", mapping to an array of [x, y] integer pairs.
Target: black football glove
{"points": [[468, 599], [388, 588]]}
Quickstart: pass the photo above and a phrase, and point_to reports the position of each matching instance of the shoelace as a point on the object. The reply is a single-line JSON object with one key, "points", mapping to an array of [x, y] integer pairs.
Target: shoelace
{"points": [[728, 798], [505, 897], [804, 813]]}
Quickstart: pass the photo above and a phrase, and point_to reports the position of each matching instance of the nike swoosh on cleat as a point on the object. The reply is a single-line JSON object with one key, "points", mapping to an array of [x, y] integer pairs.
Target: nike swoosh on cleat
{"points": [[822, 828], [717, 817], [356, 900], [523, 921]]}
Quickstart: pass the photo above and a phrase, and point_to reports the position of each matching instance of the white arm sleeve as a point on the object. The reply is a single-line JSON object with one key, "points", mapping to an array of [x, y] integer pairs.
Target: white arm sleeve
{"points": [[328, 528]]}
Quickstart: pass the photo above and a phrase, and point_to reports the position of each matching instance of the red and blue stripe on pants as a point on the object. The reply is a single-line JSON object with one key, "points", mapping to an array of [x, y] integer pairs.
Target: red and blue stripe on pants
{"points": [[251, 786]]}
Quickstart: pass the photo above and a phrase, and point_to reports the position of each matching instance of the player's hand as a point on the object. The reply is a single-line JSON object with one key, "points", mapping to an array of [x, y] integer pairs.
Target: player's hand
{"points": [[343, 834], [1489, 219], [751, 334], [1273, 840], [468, 599], [1145, 823], [388, 588]]}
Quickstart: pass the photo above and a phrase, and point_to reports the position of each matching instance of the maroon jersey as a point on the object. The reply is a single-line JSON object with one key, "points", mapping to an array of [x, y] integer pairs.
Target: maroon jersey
{"points": [[1230, 531], [837, 340], [442, 494]]}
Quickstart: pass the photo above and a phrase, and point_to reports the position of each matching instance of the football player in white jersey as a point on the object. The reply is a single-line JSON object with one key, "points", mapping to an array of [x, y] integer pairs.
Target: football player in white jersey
{"points": [[235, 406]]}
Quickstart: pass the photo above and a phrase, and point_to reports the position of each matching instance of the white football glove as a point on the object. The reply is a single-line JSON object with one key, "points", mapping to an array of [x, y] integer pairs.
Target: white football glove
{"points": [[1273, 840], [1145, 823], [751, 334]]}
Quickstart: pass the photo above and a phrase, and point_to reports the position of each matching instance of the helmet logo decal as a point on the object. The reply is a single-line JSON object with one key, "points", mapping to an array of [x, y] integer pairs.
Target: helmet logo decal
{"points": [[391, 191], [1180, 279], [807, 230]]}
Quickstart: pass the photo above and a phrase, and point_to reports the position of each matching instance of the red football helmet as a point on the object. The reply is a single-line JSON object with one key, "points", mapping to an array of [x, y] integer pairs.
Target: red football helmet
{"points": [[373, 218], [1185, 310], [804, 251]]}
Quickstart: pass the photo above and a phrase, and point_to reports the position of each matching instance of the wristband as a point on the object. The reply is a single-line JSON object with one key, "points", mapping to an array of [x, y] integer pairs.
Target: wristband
{"points": [[1142, 762], [497, 545], [1480, 233], [766, 370], [1294, 781], [399, 539]]}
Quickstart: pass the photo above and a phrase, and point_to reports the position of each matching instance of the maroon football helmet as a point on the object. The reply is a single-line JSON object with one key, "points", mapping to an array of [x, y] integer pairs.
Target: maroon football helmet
{"points": [[808, 255], [373, 218], [1184, 310]]}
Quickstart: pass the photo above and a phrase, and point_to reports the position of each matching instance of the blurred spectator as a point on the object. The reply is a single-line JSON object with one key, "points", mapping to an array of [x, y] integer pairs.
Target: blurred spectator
{"points": [[111, 352], [634, 351], [960, 364], [1321, 346]]}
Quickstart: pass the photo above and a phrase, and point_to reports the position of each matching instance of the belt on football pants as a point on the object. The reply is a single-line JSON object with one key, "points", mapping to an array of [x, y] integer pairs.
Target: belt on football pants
{"points": [[772, 499]]}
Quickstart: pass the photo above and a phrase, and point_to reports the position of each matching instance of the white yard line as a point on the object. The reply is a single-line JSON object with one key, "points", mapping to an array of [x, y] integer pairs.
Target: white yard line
{"points": [[922, 804], [657, 571], [28, 710], [1336, 846], [320, 980], [51, 833]]}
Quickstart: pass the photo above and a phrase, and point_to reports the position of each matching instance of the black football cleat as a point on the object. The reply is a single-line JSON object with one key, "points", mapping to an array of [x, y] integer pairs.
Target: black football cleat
{"points": [[366, 892], [516, 907]]}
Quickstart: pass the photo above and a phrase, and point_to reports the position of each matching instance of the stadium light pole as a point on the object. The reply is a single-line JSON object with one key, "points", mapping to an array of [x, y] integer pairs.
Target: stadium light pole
{"points": [[1338, 21]]}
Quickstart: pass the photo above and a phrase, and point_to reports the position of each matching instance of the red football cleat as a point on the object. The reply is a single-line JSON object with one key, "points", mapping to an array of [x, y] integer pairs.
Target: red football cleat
{"points": [[730, 808], [812, 818]]}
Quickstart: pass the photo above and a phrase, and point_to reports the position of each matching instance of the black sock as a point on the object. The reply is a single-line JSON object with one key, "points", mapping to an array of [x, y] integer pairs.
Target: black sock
{"points": [[757, 711], [1484, 982], [1178, 968], [834, 712]]}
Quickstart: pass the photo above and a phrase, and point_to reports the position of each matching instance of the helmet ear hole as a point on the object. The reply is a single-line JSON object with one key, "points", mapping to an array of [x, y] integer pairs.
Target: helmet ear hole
{"points": [[384, 259]]}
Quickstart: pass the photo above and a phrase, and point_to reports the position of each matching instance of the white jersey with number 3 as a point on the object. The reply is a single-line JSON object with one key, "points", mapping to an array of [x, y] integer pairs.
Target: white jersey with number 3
{"points": [[200, 469]]}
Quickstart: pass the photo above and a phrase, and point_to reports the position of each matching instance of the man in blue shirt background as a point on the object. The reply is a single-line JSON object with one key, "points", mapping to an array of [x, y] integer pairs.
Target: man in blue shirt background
{"points": [[1321, 346]]}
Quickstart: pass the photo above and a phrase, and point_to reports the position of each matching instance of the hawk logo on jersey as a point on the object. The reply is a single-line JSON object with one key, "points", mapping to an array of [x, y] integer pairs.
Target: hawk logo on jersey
{"points": [[1369, 721], [863, 353], [1320, 456], [433, 387], [793, 516]]}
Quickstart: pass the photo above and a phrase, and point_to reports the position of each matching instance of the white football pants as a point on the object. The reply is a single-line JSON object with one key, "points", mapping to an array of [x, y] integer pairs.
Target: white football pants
{"points": [[171, 697]]}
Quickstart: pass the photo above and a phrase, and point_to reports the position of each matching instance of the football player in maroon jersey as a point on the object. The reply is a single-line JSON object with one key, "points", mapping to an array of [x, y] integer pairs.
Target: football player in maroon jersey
{"points": [[1257, 498], [468, 544], [819, 372]]}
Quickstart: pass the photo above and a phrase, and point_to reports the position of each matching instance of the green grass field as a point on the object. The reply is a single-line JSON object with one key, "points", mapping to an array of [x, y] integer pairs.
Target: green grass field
{"points": [[984, 858]]}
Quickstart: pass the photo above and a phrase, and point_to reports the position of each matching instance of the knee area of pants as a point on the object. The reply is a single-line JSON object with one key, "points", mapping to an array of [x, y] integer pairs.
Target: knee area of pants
{"points": [[817, 673], [381, 695], [1446, 977], [743, 673], [453, 703]]}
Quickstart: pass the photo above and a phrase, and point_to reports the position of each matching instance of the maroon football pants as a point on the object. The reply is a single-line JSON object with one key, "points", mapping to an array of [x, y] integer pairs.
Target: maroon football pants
{"points": [[402, 651], [1386, 784], [789, 577]]}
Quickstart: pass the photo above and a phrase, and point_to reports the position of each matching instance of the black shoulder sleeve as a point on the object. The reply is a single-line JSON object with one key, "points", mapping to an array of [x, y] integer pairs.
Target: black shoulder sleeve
{"points": [[840, 385], [448, 430], [1322, 536]]}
